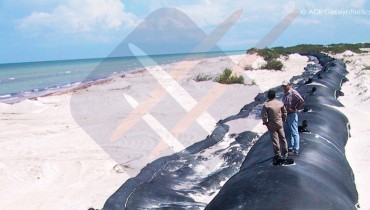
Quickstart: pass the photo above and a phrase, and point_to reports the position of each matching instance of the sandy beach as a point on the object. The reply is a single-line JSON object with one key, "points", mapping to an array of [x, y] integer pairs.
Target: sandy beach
{"points": [[356, 101], [55, 157]]}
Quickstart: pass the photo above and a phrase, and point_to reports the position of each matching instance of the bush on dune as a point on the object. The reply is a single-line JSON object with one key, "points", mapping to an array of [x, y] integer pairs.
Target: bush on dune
{"points": [[202, 77], [270, 55], [227, 78], [273, 64], [266, 53]]}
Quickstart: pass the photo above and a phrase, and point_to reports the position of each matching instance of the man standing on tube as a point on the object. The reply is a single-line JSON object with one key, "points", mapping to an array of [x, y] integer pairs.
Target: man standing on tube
{"points": [[293, 102]]}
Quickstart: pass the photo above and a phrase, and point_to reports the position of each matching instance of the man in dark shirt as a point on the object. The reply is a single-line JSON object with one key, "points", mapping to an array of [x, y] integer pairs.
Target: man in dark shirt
{"points": [[293, 101]]}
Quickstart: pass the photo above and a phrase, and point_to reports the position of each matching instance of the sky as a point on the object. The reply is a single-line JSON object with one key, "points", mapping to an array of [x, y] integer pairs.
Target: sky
{"points": [[44, 30]]}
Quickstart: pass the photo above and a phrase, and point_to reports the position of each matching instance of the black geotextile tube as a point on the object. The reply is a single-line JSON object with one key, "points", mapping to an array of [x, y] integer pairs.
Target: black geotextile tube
{"points": [[321, 177], [118, 200]]}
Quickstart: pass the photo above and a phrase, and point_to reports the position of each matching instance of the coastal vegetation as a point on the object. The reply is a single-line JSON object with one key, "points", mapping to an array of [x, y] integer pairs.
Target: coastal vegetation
{"points": [[203, 77], [228, 78], [270, 56], [276, 52], [273, 64]]}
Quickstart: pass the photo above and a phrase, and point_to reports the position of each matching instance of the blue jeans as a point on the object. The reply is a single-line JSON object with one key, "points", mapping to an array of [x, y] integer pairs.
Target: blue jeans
{"points": [[291, 131]]}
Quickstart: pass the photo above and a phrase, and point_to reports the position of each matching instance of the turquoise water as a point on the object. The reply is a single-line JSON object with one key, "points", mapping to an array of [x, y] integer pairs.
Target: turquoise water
{"points": [[24, 80]]}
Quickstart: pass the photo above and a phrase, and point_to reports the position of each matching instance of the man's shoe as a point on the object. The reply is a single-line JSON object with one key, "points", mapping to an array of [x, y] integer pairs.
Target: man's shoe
{"points": [[276, 160]]}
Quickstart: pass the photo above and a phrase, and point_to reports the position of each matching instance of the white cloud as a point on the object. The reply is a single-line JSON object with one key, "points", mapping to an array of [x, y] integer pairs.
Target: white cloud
{"points": [[76, 16], [210, 13], [206, 13]]}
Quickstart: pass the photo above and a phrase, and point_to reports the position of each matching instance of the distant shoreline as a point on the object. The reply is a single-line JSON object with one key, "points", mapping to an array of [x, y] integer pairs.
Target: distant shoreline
{"points": [[129, 66], [227, 52]]}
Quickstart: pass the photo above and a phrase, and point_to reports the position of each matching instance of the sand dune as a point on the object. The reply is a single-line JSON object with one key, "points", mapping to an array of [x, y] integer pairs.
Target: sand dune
{"points": [[356, 100]]}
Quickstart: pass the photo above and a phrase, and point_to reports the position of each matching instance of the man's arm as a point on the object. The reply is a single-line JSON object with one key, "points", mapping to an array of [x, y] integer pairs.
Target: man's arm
{"points": [[299, 100], [284, 113], [299, 105], [264, 115]]}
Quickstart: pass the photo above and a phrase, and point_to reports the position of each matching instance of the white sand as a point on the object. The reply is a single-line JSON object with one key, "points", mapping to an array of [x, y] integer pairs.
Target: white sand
{"points": [[267, 79], [357, 103], [48, 161]]}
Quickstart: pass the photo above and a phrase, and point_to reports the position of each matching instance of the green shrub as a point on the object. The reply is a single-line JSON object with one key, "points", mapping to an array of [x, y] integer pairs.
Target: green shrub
{"points": [[227, 78], [202, 77], [367, 67], [252, 51], [273, 64], [268, 54]]}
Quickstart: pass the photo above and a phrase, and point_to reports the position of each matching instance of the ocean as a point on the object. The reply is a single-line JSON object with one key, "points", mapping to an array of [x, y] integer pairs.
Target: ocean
{"points": [[20, 81]]}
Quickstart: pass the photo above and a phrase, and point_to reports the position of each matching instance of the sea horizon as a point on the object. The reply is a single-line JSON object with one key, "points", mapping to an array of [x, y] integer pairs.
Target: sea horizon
{"points": [[115, 57], [24, 80]]}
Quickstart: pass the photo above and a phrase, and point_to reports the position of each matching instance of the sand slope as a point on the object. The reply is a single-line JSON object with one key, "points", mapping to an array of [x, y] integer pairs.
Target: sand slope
{"points": [[356, 101]]}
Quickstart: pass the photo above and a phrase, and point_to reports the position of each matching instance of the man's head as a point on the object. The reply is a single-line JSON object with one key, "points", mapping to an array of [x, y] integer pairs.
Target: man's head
{"points": [[286, 86], [271, 94]]}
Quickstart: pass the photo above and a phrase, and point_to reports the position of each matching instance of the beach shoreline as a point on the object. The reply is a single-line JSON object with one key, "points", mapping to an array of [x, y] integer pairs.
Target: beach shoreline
{"points": [[89, 67]]}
